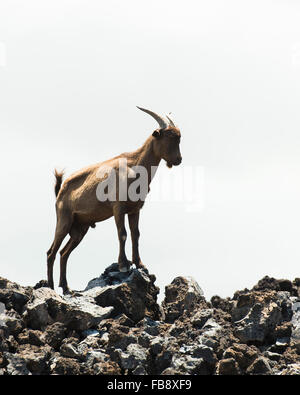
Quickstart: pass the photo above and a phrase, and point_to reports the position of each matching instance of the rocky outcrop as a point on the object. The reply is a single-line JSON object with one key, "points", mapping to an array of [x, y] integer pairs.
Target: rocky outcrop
{"points": [[183, 295], [133, 294], [116, 326]]}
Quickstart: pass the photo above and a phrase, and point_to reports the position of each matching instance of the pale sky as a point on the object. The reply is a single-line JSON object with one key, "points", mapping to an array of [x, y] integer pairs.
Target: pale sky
{"points": [[71, 75]]}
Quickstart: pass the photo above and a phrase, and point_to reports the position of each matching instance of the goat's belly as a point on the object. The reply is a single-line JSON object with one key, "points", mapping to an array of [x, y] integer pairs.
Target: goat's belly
{"points": [[131, 207], [89, 215], [88, 219]]}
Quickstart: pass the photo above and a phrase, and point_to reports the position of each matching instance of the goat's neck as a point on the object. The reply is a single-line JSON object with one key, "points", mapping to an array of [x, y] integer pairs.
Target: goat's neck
{"points": [[146, 158]]}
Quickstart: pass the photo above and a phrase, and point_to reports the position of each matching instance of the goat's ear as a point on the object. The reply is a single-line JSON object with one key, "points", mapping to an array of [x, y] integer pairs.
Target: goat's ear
{"points": [[156, 133]]}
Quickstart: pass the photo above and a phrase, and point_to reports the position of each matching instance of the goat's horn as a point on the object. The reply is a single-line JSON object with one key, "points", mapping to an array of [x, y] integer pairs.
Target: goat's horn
{"points": [[161, 121], [170, 120]]}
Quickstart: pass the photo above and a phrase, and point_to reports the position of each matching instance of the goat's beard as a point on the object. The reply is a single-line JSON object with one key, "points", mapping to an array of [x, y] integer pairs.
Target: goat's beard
{"points": [[169, 165]]}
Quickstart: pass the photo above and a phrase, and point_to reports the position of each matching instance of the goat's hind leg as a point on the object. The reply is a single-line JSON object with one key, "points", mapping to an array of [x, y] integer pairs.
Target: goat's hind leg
{"points": [[77, 233], [62, 229]]}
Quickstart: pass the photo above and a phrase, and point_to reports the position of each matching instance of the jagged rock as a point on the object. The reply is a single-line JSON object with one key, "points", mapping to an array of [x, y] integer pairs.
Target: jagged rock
{"points": [[170, 372], [95, 356], [69, 348], [284, 330], [12, 322], [256, 326], [228, 366], [54, 334], [260, 366], [296, 284], [132, 357], [13, 295], [35, 357], [201, 317], [16, 365], [30, 336], [12, 344], [163, 360], [211, 327], [137, 356], [144, 339], [201, 351], [273, 356], [119, 338], [79, 313], [220, 303], [177, 329], [243, 354], [133, 293], [156, 345], [284, 301], [270, 283], [104, 339], [150, 326], [122, 319], [65, 366], [83, 313], [3, 342], [291, 370], [182, 295], [256, 315], [107, 368], [2, 360], [36, 314], [139, 370], [209, 341], [295, 335], [186, 364], [41, 284]]}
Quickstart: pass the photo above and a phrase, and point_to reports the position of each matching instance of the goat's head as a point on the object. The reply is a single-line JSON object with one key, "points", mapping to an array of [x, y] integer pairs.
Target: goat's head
{"points": [[166, 139]]}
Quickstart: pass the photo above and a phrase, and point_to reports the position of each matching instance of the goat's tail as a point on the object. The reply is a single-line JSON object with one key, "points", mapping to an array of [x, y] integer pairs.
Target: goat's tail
{"points": [[59, 177]]}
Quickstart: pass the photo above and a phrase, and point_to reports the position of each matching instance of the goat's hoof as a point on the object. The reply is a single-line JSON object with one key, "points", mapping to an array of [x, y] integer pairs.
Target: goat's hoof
{"points": [[139, 265], [124, 267], [67, 291]]}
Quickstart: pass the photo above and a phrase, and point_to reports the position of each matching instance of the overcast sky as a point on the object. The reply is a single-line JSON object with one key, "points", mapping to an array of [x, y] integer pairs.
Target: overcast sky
{"points": [[71, 74]]}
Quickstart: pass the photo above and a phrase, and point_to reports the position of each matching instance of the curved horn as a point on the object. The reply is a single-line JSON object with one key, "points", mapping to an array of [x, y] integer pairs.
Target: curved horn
{"points": [[161, 121], [170, 120]]}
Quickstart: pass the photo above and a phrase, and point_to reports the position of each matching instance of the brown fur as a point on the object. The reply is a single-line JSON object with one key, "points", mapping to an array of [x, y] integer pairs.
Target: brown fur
{"points": [[77, 206]]}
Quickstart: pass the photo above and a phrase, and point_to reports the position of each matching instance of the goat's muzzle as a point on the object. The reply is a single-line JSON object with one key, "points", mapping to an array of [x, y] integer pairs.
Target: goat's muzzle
{"points": [[174, 163], [177, 161]]}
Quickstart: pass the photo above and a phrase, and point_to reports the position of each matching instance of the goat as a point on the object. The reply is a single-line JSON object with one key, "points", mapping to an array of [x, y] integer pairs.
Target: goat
{"points": [[78, 208]]}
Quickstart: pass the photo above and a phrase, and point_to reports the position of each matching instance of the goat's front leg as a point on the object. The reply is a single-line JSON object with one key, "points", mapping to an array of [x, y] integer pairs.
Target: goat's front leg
{"points": [[124, 264], [135, 234]]}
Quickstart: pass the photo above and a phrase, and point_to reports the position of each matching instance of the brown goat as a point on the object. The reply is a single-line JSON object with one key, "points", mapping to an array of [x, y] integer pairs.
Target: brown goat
{"points": [[78, 206]]}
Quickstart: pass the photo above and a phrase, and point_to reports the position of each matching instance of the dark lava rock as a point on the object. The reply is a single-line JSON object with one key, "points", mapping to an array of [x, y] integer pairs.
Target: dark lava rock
{"points": [[133, 293], [115, 326], [182, 295]]}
